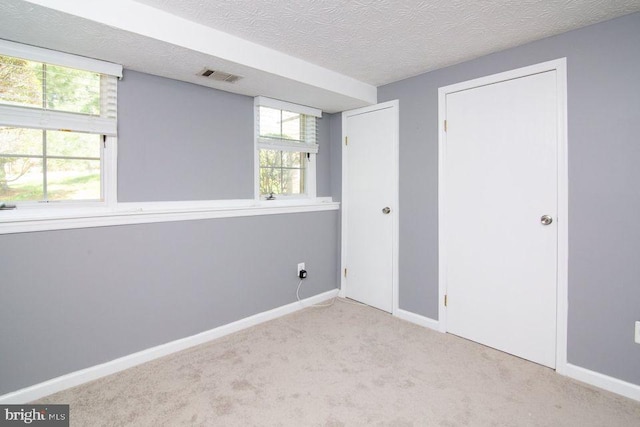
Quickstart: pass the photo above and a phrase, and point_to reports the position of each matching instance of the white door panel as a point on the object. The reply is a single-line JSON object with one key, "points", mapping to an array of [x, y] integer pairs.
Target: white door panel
{"points": [[500, 178], [370, 187]]}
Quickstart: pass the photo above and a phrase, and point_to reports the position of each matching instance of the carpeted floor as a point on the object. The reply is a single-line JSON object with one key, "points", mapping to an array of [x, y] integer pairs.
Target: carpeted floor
{"points": [[343, 365]]}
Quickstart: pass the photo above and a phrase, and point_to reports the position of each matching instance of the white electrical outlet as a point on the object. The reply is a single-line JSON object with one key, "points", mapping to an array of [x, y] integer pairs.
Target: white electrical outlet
{"points": [[300, 268], [638, 332]]}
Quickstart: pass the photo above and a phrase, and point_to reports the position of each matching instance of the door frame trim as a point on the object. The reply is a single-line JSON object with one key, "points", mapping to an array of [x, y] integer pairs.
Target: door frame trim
{"points": [[395, 106], [560, 66]]}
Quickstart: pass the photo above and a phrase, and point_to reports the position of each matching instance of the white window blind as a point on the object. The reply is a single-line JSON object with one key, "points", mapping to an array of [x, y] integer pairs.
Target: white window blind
{"points": [[43, 89]]}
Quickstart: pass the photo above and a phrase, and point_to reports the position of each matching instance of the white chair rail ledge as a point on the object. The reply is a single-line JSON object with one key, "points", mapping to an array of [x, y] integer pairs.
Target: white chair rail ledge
{"points": [[67, 216]]}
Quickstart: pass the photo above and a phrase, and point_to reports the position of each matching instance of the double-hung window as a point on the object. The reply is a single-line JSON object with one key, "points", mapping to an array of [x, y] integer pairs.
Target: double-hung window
{"points": [[57, 116], [286, 146]]}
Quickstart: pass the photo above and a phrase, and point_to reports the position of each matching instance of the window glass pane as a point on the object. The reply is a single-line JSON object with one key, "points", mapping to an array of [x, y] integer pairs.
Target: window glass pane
{"points": [[280, 124], [21, 179], [270, 179], [290, 125], [291, 160], [281, 172], [41, 165], [270, 123], [73, 144], [20, 141], [20, 82], [73, 179], [72, 90], [292, 181], [270, 158]]}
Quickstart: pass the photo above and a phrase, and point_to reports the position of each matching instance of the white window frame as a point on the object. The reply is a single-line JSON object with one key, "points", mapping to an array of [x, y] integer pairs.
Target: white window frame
{"points": [[310, 191], [26, 117], [66, 215]]}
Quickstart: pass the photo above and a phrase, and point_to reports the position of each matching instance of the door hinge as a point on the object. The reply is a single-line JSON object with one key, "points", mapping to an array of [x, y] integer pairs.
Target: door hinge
{"points": [[345, 272], [346, 140], [104, 141], [445, 300], [445, 125]]}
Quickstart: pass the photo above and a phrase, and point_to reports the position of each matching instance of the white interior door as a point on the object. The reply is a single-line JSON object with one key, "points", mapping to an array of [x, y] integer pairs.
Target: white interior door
{"points": [[500, 171], [370, 204]]}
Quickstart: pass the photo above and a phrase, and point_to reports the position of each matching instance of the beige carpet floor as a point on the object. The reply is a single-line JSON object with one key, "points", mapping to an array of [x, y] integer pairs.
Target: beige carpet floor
{"points": [[342, 365]]}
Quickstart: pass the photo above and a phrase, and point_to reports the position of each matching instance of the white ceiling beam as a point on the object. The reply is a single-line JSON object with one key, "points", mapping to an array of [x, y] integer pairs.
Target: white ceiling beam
{"points": [[147, 21]]}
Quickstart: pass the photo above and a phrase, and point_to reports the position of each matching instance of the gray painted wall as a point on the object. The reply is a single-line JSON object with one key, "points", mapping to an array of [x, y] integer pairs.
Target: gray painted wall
{"points": [[324, 156], [604, 201], [76, 298], [180, 141], [335, 141], [83, 297]]}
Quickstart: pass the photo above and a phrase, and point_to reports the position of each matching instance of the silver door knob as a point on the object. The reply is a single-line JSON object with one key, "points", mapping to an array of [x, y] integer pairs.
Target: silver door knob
{"points": [[546, 220], [386, 210]]}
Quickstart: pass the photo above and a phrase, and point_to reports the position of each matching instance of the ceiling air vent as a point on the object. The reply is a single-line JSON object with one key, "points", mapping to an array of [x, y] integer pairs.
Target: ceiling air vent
{"points": [[220, 76]]}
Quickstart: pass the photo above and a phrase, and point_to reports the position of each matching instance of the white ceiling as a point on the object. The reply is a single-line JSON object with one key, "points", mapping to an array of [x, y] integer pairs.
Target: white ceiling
{"points": [[328, 54], [383, 41]]}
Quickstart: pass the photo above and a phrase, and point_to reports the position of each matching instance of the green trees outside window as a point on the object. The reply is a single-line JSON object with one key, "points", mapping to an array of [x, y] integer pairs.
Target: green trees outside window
{"points": [[43, 165]]}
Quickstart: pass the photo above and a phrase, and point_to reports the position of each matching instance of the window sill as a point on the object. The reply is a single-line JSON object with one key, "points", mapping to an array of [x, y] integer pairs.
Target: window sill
{"points": [[29, 220]]}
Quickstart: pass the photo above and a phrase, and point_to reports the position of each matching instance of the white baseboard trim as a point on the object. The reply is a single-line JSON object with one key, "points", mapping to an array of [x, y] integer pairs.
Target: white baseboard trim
{"points": [[605, 382], [417, 319], [614, 385], [82, 376]]}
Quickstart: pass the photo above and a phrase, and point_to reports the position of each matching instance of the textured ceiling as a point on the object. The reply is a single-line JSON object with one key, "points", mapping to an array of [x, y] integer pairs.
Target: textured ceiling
{"points": [[32, 24], [381, 41], [375, 42]]}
